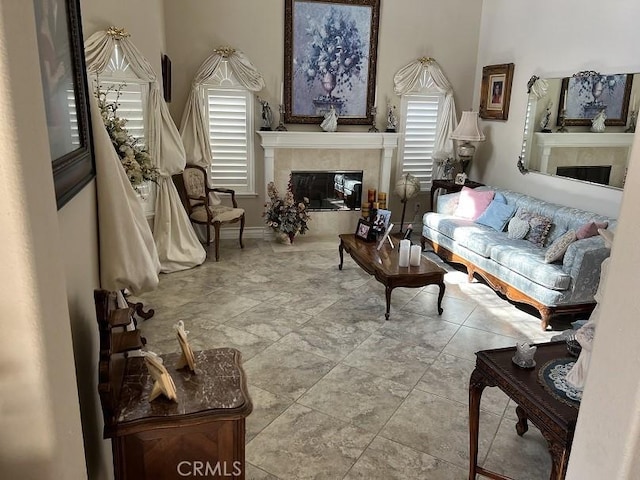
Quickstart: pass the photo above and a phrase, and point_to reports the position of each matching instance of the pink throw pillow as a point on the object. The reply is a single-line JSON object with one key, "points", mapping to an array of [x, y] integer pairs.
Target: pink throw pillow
{"points": [[590, 229], [473, 202]]}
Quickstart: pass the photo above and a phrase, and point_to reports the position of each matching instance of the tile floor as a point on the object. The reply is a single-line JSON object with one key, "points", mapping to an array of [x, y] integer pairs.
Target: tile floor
{"points": [[338, 392]]}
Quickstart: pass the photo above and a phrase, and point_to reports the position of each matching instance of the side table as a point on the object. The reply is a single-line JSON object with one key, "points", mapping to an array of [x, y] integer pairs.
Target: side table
{"points": [[450, 187], [555, 418]]}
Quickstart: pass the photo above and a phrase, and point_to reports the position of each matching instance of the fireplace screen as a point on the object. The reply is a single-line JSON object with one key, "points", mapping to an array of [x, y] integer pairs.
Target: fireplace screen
{"points": [[328, 190]]}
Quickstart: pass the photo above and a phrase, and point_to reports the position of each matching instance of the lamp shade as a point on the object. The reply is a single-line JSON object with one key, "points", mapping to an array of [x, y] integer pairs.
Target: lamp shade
{"points": [[468, 128]]}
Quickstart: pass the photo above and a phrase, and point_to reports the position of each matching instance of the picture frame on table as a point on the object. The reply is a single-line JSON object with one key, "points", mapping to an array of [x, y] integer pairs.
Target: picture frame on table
{"points": [[66, 95], [381, 221], [330, 57], [364, 230], [495, 93], [386, 237], [461, 179], [587, 93]]}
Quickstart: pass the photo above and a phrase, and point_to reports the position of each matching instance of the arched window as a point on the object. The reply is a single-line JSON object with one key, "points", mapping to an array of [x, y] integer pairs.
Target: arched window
{"points": [[420, 112], [230, 121]]}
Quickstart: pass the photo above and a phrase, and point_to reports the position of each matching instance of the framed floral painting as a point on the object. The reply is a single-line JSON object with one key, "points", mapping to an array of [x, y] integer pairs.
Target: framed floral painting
{"points": [[495, 94], [330, 51], [64, 85], [586, 94]]}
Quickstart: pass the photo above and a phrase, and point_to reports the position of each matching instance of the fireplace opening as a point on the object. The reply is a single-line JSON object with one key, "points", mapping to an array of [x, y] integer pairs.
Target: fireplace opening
{"points": [[596, 174], [328, 190]]}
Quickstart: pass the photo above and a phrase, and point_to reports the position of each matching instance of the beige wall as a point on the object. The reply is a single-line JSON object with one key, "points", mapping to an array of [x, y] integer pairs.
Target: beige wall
{"points": [[447, 31], [552, 39], [555, 39], [41, 433]]}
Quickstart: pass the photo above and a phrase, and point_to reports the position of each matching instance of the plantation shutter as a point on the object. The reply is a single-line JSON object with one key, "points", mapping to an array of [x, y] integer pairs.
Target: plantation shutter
{"points": [[130, 107], [229, 134], [420, 125]]}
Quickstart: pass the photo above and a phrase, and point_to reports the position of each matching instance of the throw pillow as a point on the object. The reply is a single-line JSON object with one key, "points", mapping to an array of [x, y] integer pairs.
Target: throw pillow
{"points": [[539, 227], [518, 228], [590, 229], [499, 197], [496, 215], [447, 204], [557, 248], [472, 203]]}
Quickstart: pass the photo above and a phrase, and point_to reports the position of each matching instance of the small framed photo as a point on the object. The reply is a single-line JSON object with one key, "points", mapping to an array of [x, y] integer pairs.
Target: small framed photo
{"points": [[461, 178], [496, 91], [386, 237], [364, 230], [381, 221]]}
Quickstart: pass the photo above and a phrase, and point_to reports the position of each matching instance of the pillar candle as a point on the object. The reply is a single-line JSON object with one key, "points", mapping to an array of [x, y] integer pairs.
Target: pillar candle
{"points": [[371, 195], [415, 256], [403, 258]]}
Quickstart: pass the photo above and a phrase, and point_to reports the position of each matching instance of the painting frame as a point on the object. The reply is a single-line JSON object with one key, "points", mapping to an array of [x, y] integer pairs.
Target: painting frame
{"points": [[312, 85], [364, 230], [574, 95], [495, 93], [59, 29]]}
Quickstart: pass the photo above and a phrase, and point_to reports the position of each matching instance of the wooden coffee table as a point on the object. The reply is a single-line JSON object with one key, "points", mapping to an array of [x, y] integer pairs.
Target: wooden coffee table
{"points": [[383, 265]]}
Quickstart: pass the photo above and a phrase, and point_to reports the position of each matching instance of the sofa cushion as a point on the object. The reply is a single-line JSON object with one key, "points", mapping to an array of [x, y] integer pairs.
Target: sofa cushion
{"points": [[518, 228], [472, 203], [590, 229], [527, 260], [496, 215], [539, 227], [557, 248], [466, 233]]}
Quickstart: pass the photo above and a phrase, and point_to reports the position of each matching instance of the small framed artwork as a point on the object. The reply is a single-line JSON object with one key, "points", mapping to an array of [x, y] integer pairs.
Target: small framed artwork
{"points": [[495, 93], [586, 94], [364, 230], [461, 178], [386, 237], [381, 221], [187, 359], [330, 51], [66, 96]]}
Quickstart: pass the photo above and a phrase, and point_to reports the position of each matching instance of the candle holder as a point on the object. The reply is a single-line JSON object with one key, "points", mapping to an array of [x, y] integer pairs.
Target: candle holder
{"points": [[633, 115], [563, 115], [373, 128], [281, 127]]}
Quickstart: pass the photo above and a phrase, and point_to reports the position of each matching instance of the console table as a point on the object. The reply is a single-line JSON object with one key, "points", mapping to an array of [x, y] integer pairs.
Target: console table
{"points": [[449, 186], [555, 419]]}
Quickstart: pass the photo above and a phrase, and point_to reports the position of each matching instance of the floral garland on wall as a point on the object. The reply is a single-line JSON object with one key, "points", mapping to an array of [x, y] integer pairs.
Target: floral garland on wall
{"points": [[134, 157]]}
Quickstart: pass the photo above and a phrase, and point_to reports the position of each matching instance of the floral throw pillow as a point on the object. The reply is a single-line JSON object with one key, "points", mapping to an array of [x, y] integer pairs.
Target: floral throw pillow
{"points": [[539, 227], [557, 248], [518, 228]]}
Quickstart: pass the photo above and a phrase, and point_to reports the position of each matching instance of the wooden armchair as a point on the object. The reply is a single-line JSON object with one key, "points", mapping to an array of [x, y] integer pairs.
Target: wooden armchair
{"points": [[204, 205]]}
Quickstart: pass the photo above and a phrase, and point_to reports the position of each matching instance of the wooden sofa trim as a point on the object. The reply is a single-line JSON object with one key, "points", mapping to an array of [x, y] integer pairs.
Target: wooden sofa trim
{"points": [[546, 312]]}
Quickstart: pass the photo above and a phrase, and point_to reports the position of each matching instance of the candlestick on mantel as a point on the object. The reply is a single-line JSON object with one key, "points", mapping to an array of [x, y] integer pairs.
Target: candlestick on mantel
{"points": [[375, 98], [281, 93]]}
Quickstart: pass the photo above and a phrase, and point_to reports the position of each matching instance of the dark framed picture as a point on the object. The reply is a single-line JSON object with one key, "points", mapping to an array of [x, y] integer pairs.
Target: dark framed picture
{"points": [[364, 230], [166, 77], [495, 93], [586, 94], [381, 221], [64, 83], [330, 50]]}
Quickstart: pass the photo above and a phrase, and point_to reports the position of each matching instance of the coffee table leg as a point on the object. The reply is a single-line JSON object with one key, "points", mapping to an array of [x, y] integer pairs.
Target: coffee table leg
{"points": [[340, 250], [387, 294], [476, 386], [521, 426], [440, 296]]}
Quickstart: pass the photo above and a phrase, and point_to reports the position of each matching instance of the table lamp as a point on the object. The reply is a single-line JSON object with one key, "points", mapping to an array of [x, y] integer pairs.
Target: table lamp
{"points": [[467, 131]]}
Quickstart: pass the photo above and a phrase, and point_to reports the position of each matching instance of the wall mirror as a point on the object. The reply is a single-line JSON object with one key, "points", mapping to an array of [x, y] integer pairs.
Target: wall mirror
{"points": [[581, 127]]}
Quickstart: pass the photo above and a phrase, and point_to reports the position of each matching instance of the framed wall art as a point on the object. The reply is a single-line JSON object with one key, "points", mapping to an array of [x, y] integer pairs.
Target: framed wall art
{"points": [[64, 84], [330, 52], [586, 94], [495, 93]]}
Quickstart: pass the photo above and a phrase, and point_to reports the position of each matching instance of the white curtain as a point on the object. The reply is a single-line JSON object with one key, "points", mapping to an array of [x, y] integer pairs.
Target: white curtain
{"points": [[193, 128], [128, 256], [176, 242], [424, 75]]}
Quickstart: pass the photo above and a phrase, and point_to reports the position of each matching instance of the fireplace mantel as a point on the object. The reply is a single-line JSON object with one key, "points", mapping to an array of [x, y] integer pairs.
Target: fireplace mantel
{"points": [[386, 142]]}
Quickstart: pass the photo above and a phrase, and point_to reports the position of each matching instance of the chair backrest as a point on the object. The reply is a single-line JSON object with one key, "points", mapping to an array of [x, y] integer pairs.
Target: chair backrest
{"points": [[195, 182], [178, 181]]}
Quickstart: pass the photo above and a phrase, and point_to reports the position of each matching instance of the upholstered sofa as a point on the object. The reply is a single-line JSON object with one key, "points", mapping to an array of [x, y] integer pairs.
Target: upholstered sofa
{"points": [[516, 267]]}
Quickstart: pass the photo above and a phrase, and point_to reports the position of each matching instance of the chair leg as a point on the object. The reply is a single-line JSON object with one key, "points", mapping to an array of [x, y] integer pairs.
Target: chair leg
{"points": [[241, 229], [208, 234], [216, 225]]}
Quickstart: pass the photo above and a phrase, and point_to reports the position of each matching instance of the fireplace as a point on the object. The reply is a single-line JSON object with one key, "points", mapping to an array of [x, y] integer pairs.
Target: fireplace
{"points": [[328, 190], [590, 173]]}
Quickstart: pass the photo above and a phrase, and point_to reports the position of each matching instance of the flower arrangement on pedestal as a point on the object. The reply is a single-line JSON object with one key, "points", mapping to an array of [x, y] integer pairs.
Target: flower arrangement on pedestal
{"points": [[284, 215], [335, 52], [134, 157]]}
